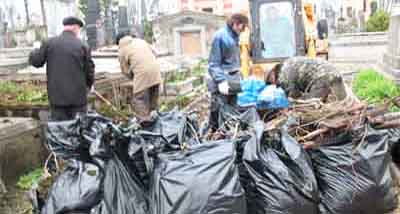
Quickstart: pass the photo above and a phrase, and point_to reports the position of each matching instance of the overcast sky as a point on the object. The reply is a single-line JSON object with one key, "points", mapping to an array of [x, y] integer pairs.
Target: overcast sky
{"points": [[34, 5]]}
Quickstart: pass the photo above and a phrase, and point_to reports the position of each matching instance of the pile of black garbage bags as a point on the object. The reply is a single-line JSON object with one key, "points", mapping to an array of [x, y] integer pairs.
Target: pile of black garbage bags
{"points": [[168, 167]]}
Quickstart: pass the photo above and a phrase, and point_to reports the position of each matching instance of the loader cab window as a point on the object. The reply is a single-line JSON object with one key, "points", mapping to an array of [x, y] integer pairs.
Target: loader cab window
{"points": [[277, 30]]}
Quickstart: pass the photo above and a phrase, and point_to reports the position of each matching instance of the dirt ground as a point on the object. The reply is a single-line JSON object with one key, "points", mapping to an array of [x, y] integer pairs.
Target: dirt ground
{"points": [[15, 202]]}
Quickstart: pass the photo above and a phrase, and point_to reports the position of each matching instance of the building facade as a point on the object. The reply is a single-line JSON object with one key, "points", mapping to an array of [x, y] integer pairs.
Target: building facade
{"points": [[351, 8], [187, 33], [218, 7]]}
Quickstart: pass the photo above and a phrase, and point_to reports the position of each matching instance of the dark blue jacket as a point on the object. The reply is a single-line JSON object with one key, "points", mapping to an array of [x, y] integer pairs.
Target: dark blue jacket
{"points": [[224, 60]]}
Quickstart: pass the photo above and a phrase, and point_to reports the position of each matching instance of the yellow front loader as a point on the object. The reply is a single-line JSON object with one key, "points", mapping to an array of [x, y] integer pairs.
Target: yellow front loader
{"points": [[279, 29]]}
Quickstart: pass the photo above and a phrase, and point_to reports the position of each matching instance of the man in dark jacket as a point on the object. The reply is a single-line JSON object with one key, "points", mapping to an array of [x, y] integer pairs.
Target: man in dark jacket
{"points": [[70, 71], [224, 64]]}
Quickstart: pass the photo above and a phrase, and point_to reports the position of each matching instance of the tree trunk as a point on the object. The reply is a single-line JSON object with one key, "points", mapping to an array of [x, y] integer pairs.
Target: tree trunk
{"points": [[108, 22], [123, 16], [386, 5], [2, 36], [28, 20], [91, 17], [389, 6], [144, 17], [43, 13]]}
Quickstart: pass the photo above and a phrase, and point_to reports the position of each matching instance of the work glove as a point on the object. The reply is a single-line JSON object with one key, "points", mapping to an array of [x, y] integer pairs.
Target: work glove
{"points": [[223, 88], [234, 87]]}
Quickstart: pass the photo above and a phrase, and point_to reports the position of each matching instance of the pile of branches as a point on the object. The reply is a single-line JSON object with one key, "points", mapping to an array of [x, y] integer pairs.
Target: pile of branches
{"points": [[316, 121]]}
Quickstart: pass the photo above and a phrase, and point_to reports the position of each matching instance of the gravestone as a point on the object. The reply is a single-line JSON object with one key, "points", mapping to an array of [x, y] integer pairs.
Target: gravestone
{"points": [[391, 59]]}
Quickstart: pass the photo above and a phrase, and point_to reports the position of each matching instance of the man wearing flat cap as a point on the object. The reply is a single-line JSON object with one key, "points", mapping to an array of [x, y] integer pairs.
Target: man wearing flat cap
{"points": [[70, 71]]}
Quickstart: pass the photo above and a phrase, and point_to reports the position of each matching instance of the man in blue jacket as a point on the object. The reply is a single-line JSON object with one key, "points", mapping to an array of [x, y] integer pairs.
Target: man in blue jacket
{"points": [[224, 64]]}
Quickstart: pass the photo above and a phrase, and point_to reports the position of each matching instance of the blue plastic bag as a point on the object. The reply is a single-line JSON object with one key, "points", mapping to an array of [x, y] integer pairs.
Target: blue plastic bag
{"points": [[251, 89], [272, 98]]}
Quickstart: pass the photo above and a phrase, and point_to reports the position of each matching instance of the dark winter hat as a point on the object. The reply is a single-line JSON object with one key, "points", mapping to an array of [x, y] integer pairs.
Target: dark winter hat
{"points": [[122, 35], [71, 20]]}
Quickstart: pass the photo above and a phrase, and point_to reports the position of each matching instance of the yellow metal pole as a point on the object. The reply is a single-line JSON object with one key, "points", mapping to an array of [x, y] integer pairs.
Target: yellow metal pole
{"points": [[245, 53], [310, 26]]}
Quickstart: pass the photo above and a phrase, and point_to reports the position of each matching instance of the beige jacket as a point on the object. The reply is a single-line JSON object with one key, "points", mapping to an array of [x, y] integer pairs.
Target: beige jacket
{"points": [[136, 55]]}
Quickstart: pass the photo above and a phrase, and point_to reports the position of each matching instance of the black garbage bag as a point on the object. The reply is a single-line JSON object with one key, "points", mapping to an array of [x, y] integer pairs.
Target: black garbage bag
{"points": [[278, 176], [170, 131], [123, 193], [73, 139], [83, 144], [64, 139], [202, 179], [98, 132], [394, 135], [233, 114], [353, 173], [175, 127], [77, 189]]}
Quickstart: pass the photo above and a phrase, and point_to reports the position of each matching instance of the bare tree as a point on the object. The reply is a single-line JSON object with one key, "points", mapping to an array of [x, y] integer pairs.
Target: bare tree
{"points": [[108, 22], [28, 20], [43, 13], [386, 5], [11, 16]]}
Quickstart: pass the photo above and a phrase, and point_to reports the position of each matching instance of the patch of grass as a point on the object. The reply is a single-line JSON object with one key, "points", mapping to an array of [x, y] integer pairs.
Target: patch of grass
{"points": [[181, 101], [8, 87], [176, 77], [24, 93], [199, 71], [373, 87], [25, 182], [203, 62], [32, 96], [119, 115]]}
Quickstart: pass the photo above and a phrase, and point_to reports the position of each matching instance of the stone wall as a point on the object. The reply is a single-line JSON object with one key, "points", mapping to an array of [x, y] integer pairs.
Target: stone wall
{"points": [[21, 148], [358, 47], [391, 59]]}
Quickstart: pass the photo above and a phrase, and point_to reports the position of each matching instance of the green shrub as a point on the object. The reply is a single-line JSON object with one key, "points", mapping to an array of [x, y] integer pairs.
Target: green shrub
{"points": [[25, 182], [378, 22], [374, 88]]}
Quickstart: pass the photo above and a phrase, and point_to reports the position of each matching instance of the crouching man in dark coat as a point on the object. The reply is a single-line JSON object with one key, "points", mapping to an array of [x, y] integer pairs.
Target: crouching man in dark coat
{"points": [[306, 78], [70, 71]]}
